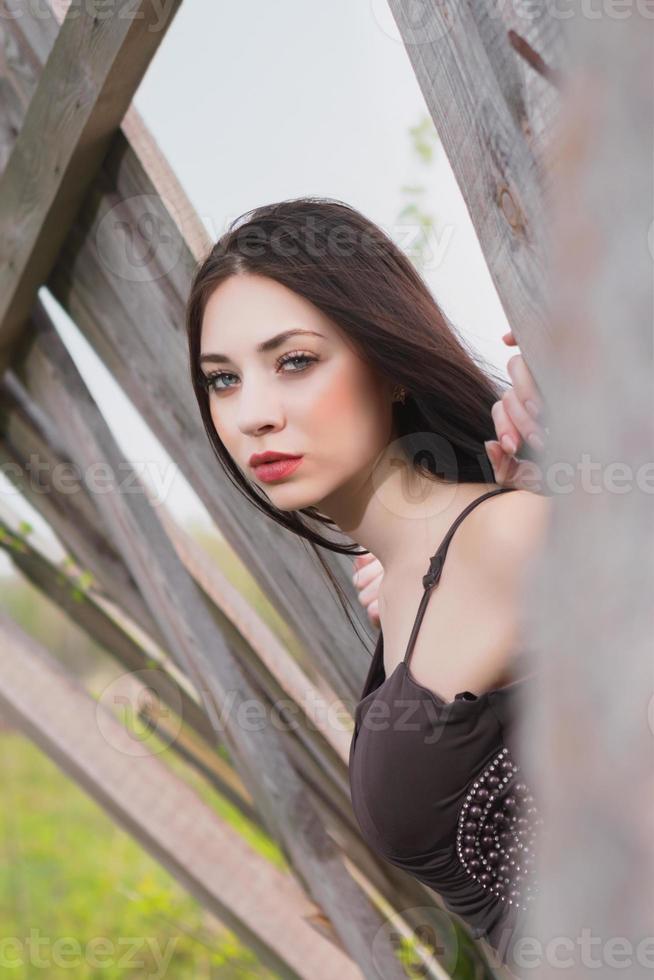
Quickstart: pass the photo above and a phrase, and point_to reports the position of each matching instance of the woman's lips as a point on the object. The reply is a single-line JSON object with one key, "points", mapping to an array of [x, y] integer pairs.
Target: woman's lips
{"points": [[278, 469]]}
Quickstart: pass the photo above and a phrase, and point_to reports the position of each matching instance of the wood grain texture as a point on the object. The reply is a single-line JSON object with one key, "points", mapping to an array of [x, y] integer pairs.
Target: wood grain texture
{"points": [[206, 657], [492, 127], [83, 737], [592, 718], [129, 303], [74, 112]]}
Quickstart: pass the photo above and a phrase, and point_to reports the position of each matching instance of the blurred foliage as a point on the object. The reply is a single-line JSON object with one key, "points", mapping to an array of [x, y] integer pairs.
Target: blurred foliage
{"points": [[68, 871], [42, 619], [414, 215]]}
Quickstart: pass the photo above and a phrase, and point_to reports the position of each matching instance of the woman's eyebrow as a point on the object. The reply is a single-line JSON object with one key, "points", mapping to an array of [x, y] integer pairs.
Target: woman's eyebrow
{"points": [[263, 347]]}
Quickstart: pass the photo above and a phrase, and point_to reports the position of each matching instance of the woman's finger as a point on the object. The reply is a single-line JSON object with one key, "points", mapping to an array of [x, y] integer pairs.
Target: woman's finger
{"points": [[509, 339], [368, 580], [373, 613], [361, 561], [507, 435], [366, 573], [523, 421], [504, 464], [370, 592], [521, 474], [524, 384]]}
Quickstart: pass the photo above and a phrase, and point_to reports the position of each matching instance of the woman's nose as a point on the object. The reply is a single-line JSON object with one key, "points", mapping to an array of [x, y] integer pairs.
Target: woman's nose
{"points": [[259, 410]]}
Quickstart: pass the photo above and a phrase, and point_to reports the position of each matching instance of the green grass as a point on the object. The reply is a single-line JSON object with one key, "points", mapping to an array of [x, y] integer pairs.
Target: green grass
{"points": [[67, 870]]}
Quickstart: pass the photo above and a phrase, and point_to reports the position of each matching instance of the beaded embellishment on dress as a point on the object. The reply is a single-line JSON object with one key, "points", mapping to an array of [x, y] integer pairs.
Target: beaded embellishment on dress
{"points": [[497, 831]]}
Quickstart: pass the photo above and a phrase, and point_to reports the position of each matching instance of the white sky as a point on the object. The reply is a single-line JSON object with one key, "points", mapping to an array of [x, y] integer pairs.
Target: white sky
{"points": [[256, 102]]}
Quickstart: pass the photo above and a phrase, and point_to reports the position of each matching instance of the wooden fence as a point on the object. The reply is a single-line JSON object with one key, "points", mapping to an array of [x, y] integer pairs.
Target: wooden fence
{"points": [[79, 171]]}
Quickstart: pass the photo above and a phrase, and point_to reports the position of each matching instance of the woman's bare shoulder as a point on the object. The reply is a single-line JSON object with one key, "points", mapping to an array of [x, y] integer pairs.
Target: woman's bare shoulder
{"points": [[518, 505], [489, 554], [506, 529]]}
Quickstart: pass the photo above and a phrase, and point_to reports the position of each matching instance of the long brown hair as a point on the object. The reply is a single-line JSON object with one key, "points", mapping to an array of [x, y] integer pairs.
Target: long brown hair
{"points": [[339, 260]]}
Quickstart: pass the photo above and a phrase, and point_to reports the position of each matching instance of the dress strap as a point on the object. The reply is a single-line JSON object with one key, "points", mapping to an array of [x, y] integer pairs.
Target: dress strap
{"points": [[432, 577]]}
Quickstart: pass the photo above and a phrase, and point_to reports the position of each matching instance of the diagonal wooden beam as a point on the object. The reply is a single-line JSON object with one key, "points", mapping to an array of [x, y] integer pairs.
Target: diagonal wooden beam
{"points": [[74, 113], [33, 458], [208, 658], [492, 113], [236, 613], [37, 560], [81, 606], [30, 432], [157, 168], [131, 320], [86, 740]]}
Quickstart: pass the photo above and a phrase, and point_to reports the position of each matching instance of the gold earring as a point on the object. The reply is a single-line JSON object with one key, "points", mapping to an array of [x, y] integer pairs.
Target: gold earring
{"points": [[399, 394]]}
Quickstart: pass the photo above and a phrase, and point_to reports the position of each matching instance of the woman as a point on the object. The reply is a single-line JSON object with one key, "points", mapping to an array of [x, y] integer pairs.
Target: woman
{"points": [[336, 394]]}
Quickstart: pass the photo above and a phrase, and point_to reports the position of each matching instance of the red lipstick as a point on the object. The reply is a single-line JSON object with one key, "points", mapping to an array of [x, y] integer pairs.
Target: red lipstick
{"points": [[274, 466]]}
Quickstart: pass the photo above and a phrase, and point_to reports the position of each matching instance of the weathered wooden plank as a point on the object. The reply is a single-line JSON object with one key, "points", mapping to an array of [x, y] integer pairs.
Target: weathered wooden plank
{"points": [[264, 647], [166, 184], [34, 459], [86, 613], [293, 682], [134, 320], [535, 35], [136, 323], [592, 717], [396, 888], [74, 112], [263, 906], [32, 446], [81, 607], [472, 82], [278, 679], [201, 651]]}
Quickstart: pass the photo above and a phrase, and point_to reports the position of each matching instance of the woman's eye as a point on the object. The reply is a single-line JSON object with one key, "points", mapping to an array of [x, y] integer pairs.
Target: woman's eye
{"points": [[305, 359], [212, 382]]}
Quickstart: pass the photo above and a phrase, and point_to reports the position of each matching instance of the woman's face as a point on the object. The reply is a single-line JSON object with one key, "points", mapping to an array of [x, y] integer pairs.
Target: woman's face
{"points": [[309, 395]]}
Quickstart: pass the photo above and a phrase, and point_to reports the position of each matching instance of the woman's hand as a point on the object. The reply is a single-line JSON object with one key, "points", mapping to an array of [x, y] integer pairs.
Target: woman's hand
{"points": [[367, 578], [517, 417]]}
